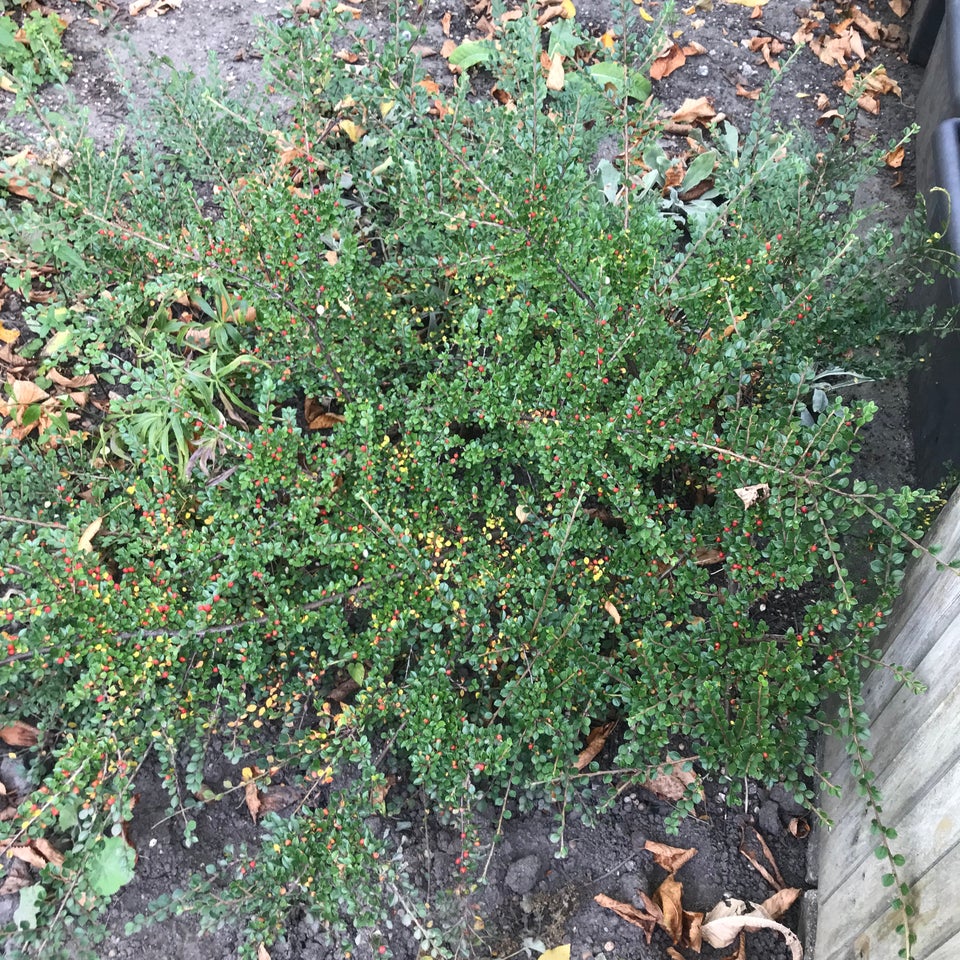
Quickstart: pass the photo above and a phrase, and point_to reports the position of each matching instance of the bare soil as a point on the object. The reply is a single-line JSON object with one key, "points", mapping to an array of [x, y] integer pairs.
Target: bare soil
{"points": [[532, 900]]}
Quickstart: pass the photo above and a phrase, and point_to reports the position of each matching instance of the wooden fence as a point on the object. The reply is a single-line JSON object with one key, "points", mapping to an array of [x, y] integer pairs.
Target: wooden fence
{"points": [[916, 757]]}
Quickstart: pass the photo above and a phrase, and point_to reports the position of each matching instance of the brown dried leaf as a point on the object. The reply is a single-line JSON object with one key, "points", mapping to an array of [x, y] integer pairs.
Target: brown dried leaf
{"points": [[71, 383], [27, 854], [671, 59], [692, 922], [773, 875], [48, 850], [899, 7], [723, 930], [85, 543], [611, 608], [555, 78], [671, 783], [699, 110], [549, 13], [448, 47], [798, 827], [742, 91], [8, 336], [12, 884], [20, 734], [262, 952], [674, 176], [741, 952], [630, 913], [595, 741], [445, 23], [669, 858], [706, 556], [669, 897], [278, 796], [778, 904]]}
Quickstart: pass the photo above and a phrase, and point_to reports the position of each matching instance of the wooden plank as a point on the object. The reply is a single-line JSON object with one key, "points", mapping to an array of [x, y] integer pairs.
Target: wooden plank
{"points": [[925, 831], [947, 951], [870, 931], [912, 640], [934, 749], [894, 730]]}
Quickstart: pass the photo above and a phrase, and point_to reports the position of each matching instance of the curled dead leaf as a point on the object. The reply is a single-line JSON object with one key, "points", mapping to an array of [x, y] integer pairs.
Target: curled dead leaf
{"points": [[672, 783], [611, 608], [19, 734], [894, 159], [673, 58], [626, 911], [85, 543], [669, 858], [699, 110], [753, 494], [742, 91], [798, 827], [595, 741]]}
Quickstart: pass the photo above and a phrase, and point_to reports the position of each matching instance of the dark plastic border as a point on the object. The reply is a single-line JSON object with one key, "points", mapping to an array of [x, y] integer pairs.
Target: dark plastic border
{"points": [[924, 27], [934, 382]]}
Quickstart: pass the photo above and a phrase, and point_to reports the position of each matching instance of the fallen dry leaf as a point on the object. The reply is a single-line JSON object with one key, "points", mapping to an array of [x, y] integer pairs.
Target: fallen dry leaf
{"points": [[611, 608], [721, 927], [894, 158], [699, 110], [251, 794], [779, 903], [626, 911], [555, 76], [798, 827], [8, 336], [899, 7], [753, 494], [669, 858], [19, 734], [262, 952], [595, 741], [773, 875], [48, 850], [671, 59], [445, 23], [671, 783], [669, 897], [12, 884], [85, 543], [742, 91]]}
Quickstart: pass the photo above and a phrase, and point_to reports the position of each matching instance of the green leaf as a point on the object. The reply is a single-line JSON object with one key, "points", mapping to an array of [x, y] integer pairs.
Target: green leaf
{"points": [[472, 52], [26, 912], [699, 169], [356, 671], [563, 39], [888, 880], [110, 867]]}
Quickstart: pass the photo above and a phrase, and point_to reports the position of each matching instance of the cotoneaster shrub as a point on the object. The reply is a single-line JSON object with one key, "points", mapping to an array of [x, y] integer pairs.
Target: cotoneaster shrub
{"points": [[420, 454]]}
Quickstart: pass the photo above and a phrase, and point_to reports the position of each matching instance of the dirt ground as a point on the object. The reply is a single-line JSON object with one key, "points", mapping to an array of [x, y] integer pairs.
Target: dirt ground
{"points": [[532, 900]]}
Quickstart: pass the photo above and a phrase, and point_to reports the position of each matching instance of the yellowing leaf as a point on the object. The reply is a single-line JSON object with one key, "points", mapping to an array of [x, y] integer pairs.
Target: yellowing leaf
{"points": [[609, 39], [644, 15], [567, 9], [555, 74], [353, 130], [85, 543], [557, 953], [8, 336]]}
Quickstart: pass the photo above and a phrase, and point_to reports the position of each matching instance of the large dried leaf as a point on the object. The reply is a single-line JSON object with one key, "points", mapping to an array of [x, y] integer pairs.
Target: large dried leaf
{"points": [[673, 58], [19, 734], [669, 858], [753, 494], [611, 608], [555, 77], [669, 897], [722, 931], [671, 783], [48, 850], [699, 110], [771, 875], [777, 905], [251, 794], [626, 911], [85, 543], [595, 741]]}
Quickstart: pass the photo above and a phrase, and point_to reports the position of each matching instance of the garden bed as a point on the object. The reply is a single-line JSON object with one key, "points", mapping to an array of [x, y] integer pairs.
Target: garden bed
{"points": [[440, 845]]}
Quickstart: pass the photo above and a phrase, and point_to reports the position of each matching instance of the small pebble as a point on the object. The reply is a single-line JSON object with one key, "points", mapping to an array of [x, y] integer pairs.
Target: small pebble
{"points": [[609, 946]]}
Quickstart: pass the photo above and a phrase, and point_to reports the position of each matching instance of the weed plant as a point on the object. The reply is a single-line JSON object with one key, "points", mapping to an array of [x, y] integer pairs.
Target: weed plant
{"points": [[422, 443]]}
